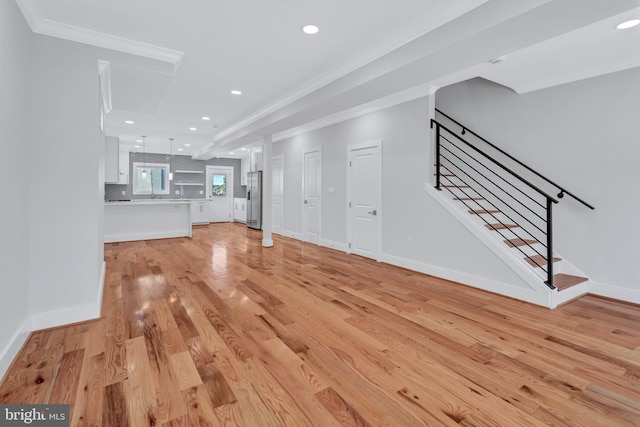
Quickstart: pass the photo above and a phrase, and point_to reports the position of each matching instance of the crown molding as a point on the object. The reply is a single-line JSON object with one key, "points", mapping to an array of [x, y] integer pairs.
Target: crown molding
{"points": [[61, 30]]}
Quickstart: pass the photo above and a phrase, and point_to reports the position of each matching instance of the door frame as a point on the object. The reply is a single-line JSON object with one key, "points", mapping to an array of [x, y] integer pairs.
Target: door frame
{"points": [[304, 174], [376, 143], [230, 187]]}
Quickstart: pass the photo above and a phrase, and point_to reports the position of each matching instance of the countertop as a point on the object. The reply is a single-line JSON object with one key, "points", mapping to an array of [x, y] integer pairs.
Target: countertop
{"points": [[152, 201]]}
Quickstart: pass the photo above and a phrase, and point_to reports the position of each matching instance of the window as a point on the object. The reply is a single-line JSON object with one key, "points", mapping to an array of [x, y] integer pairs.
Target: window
{"points": [[219, 185], [150, 178]]}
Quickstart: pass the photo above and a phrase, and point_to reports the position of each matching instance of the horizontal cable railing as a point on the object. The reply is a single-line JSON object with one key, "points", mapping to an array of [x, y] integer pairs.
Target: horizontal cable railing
{"points": [[561, 191], [512, 205]]}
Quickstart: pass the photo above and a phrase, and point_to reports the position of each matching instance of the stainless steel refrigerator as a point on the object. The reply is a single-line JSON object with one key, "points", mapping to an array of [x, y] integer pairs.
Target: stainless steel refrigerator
{"points": [[254, 200]]}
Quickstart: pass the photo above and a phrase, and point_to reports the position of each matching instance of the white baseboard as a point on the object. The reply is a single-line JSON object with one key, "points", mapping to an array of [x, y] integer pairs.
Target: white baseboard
{"points": [[51, 319], [333, 245], [10, 351], [615, 292], [321, 242], [112, 238], [542, 296], [539, 297], [76, 314], [292, 234], [515, 262]]}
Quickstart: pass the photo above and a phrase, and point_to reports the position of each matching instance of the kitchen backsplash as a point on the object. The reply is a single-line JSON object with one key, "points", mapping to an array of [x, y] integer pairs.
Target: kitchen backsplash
{"points": [[114, 191]]}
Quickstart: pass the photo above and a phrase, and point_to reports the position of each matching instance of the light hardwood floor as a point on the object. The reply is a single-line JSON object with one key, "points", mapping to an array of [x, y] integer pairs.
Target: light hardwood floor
{"points": [[217, 330]]}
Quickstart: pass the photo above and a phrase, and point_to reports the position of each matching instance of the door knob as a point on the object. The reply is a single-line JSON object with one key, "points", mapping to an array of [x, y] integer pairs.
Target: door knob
{"points": [[373, 212]]}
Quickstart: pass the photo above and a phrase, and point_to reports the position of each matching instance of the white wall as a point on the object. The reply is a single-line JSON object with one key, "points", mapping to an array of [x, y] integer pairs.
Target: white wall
{"points": [[442, 245], [66, 151], [583, 135], [15, 41]]}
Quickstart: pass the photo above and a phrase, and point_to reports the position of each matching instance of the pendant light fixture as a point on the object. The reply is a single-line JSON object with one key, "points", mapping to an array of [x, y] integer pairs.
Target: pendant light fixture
{"points": [[144, 158], [170, 158]]}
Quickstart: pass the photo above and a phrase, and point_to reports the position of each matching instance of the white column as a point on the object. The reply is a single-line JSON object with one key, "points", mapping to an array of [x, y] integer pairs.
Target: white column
{"points": [[267, 238]]}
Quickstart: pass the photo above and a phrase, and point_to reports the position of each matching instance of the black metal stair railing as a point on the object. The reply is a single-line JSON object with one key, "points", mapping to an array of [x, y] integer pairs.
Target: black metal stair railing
{"points": [[518, 208]]}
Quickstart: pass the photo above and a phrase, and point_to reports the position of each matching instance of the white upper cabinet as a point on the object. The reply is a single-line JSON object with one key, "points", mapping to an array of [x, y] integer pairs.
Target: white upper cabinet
{"points": [[256, 160], [111, 160], [123, 167], [244, 168]]}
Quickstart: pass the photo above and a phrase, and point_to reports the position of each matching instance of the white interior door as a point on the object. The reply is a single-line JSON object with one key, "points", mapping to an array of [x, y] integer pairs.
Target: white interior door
{"points": [[220, 192], [277, 192], [311, 189], [364, 196]]}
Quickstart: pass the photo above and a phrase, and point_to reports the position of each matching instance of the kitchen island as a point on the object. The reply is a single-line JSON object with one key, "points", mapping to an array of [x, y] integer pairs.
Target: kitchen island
{"points": [[146, 219]]}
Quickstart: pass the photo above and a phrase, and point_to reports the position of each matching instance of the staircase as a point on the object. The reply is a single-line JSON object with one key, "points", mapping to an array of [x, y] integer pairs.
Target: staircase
{"points": [[505, 201]]}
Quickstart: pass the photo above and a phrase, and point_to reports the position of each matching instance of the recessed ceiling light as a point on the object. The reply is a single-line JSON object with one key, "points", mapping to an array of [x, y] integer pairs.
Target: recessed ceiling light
{"points": [[138, 140], [136, 146], [310, 29], [628, 24], [230, 152], [206, 118], [129, 122], [180, 149], [236, 92], [187, 145], [193, 129]]}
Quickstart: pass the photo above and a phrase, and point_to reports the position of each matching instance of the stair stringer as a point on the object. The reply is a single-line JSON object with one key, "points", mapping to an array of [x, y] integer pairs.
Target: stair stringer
{"points": [[541, 294]]}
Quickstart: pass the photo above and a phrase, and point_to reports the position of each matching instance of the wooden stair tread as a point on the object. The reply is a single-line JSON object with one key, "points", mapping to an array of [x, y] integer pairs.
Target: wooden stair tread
{"points": [[563, 281], [454, 186], [500, 226], [512, 243], [468, 198], [539, 260], [445, 174], [483, 211]]}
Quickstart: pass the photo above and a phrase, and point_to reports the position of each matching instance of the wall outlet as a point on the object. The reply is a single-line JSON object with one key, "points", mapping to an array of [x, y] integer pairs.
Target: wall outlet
{"points": [[123, 192], [177, 191], [201, 192], [411, 242]]}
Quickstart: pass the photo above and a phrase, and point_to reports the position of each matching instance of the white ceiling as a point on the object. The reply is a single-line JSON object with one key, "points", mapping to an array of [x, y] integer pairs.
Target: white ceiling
{"points": [[366, 51]]}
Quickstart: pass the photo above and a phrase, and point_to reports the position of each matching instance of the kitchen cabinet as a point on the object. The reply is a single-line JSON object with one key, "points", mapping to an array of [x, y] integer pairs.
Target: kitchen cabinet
{"points": [[240, 209], [111, 159], [244, 168], [256, 160], [123, 167], [200, 211], [146, 219]]}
